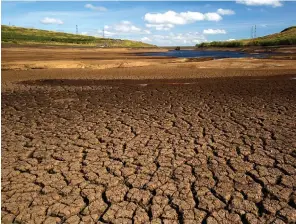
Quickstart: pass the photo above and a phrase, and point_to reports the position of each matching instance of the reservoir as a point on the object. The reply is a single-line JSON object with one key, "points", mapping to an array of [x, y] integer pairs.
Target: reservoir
{"points": [[203, 54]]}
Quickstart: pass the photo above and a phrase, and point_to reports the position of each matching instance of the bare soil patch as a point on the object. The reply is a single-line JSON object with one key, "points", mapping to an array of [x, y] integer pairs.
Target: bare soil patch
{"points": [[168, 143]]}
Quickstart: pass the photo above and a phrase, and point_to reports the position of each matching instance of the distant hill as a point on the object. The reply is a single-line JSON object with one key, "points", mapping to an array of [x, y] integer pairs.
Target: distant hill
{"points": [[285, 37], [19, 35]]}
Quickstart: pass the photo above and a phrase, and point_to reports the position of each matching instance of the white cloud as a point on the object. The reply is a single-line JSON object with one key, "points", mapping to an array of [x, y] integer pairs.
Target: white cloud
{"points": [[196, 41], [169, 17], [84, 33], [167, 20], [146, 39], [225, 12], [124, 27], [273, 3], [160, 26], [212, 16], [48, 20], [190, 17], [230, 40], [190, 39], [109, 34], [95, 8], [213, 31]]}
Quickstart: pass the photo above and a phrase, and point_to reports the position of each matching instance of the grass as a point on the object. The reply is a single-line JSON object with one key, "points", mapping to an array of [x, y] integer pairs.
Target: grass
{"points": [[19, 35], [285, 37]]}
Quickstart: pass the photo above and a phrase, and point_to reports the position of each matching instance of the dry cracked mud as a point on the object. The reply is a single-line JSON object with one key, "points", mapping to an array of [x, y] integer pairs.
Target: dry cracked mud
{"points": [[220, 150]]}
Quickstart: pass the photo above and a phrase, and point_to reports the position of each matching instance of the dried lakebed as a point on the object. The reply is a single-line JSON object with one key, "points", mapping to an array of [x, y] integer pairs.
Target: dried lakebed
{"points": [[219, 150]]}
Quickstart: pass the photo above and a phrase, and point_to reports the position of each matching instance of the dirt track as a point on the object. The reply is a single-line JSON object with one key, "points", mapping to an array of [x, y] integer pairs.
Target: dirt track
{"points": [[205, 149]]}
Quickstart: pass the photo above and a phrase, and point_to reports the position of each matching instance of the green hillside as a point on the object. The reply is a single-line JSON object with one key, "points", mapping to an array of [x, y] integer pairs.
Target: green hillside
{"points": [[285, 37], [19, 35]]}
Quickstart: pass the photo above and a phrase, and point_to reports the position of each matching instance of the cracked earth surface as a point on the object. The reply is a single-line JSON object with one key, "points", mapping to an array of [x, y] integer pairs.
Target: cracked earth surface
{"points": [[167, 151]]}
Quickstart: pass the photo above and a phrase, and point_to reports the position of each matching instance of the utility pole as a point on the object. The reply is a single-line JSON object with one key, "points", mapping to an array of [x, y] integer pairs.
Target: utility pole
{"points": [[76, 29], [255, 35]]}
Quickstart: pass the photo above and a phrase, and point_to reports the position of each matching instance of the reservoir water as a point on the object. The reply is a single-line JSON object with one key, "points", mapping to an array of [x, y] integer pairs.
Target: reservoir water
{"points": [[202, 54]]}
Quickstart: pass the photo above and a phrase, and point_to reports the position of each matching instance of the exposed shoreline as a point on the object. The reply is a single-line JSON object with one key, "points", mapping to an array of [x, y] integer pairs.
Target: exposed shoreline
{"points": [[20, 64], [26, 58]]}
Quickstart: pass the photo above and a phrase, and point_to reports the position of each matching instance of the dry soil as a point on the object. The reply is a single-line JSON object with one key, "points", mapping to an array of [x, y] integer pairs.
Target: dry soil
{"points": [[172, 142]]}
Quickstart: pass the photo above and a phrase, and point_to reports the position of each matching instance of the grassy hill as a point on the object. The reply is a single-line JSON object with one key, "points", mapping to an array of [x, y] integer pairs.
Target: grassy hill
{"points": [[19, 35], [285, 37]]}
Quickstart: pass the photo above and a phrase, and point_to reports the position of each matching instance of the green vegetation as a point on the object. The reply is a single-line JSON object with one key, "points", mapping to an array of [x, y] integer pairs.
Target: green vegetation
{"points": [[285, 37], [19, 35]]}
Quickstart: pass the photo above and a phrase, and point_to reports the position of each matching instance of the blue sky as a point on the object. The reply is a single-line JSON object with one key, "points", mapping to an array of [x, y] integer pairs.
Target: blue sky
{"points": [[161, 23]]}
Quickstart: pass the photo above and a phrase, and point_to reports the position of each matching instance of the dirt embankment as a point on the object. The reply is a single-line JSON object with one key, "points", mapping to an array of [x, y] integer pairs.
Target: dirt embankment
{"points": [[28, 58]]}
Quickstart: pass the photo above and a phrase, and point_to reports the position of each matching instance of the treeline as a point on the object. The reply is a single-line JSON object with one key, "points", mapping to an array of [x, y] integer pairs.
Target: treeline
{"points": [[285, 37], [221, 44], [271, 42]]}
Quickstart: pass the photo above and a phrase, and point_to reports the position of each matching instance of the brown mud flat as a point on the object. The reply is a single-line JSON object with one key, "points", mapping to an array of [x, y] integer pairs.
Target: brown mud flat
{"points": [[214, 150], [28, 58], [176, 142]]}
